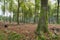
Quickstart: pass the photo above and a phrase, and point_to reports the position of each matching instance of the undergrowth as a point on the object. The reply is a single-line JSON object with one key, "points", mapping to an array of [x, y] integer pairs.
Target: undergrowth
{"points": [[16, 36]]}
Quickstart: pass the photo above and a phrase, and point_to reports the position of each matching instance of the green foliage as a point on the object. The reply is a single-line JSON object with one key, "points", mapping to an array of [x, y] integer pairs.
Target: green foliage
{"points": [[55, 37], [11, 5], [48, 36], [9, 35], [41, 36], [2, 36], [27, 8], [3, 8], [13, 36]]}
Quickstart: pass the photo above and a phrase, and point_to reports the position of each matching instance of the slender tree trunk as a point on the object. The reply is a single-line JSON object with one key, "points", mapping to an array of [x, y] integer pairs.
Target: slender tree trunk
{"points": [[35, 12], [10, 9], [18, 13], [4, 7], [58, 13], [36, 8], [43, 20], [4, 10]]}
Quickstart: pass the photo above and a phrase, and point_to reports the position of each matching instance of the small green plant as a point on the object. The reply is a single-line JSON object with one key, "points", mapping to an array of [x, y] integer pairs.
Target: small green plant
{"points": [[52, 36], [13, 36], [56, 37], [2, 36], [41, 36]]}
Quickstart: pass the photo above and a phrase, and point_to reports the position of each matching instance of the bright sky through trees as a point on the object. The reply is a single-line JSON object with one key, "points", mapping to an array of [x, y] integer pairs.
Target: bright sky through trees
{"points": [[52, 1]]}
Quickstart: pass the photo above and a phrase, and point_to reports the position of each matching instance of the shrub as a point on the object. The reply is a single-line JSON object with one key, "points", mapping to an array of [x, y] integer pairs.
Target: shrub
{"points": [[41, 36], [2, 36], [13, 36]]}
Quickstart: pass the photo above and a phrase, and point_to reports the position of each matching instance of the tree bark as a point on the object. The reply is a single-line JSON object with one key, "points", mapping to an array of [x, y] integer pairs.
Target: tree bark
{"points": [[43, 20], [18, 13], [4, 9], [58, 13]]}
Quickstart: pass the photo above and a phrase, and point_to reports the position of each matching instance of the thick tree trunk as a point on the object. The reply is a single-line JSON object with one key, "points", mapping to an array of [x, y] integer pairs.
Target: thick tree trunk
{"points": [[43, 20]]}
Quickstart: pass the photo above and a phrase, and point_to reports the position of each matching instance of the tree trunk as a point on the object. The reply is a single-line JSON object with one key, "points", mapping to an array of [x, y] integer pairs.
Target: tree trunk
{"points": [[58, 13], [4, 9], [10, 10], [43, 20], [18, 13], [36, 8]]}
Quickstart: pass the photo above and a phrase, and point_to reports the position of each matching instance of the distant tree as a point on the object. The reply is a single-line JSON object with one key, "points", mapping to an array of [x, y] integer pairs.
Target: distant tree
{"points": [[18, 12], [37, 8], [58, 12], [10, 8]]}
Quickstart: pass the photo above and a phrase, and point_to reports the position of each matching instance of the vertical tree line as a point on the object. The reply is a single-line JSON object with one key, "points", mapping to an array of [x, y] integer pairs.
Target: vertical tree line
{"points": [[27, 11], [10, 9], [37, 2], [58, 12], [18, 12], [4, 10]]}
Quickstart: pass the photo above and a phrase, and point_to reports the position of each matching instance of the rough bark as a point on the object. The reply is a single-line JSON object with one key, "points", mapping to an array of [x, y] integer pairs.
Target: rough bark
{"points": [[43, 20]]}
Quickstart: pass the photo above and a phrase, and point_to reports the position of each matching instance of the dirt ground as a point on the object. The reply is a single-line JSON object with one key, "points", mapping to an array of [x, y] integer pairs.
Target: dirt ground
{"points": [[26, 29]]}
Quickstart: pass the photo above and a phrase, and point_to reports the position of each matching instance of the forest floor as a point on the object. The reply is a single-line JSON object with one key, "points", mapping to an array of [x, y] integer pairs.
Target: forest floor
{"points": [[27, 29]]}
